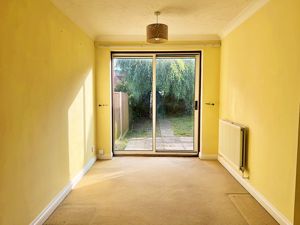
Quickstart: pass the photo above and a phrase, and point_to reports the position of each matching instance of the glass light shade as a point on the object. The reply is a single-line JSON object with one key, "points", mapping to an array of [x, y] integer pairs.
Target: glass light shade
{"points": [[157, 33]]}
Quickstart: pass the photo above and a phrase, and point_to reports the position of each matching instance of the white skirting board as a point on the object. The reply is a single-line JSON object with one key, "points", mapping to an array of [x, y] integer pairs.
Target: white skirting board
{"points": [[278, 216], [104, 156], [207, 156], [49, 209]]}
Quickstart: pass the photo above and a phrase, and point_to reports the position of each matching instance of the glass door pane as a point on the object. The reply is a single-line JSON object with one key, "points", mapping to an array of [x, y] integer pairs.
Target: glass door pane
{"points": [[132, 98], [175, 96]]}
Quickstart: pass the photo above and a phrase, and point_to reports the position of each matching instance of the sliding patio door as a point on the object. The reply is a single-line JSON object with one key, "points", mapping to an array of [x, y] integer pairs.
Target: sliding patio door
{"points": [[132, 113], [155, 103]]}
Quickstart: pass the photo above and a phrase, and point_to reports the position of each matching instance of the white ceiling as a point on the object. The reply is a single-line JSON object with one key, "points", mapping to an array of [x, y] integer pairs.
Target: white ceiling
{"points": [[126, 20]]}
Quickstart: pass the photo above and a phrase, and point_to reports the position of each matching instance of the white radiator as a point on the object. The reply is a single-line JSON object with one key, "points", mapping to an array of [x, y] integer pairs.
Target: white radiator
{"points": [[233, 143]]}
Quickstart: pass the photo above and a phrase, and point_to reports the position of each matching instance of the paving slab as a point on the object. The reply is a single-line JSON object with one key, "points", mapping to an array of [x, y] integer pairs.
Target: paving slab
{"points": [[166, 141]]}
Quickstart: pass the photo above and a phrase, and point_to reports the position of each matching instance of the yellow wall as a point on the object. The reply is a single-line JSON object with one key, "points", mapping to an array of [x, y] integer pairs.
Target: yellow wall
{"points": [[103, 128], [260, 87], [46, 110], [211, 65], [297, 192]]}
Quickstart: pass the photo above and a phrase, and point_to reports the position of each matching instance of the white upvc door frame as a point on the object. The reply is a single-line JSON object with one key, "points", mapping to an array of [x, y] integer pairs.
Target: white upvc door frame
{"points": [[154, 56], [154, 103], [197, 99]]}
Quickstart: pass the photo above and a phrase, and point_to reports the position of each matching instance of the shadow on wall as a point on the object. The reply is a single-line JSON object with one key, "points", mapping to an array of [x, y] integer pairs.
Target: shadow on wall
{"points": [[297, 194], [81, 137]]}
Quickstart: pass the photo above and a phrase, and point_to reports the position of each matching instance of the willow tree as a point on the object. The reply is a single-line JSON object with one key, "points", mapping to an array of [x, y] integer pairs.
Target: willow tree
{"points": [[174, 84]]}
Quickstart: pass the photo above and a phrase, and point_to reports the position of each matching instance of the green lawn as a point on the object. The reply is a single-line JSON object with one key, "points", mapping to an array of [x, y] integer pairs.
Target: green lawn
{"points": [[139, 129], [121, 144], [182, 126]]}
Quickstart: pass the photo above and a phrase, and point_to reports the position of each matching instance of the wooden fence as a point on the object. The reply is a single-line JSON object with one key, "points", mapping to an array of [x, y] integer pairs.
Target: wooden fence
{"points": [[121, 114]]}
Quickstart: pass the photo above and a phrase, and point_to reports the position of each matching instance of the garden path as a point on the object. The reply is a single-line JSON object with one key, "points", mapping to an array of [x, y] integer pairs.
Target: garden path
{"points": [[165, 128]]}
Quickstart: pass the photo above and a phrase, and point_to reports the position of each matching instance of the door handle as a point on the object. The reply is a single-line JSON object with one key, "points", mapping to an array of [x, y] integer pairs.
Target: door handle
{"points": [[196, 105], [209, 103], [101, 105]]}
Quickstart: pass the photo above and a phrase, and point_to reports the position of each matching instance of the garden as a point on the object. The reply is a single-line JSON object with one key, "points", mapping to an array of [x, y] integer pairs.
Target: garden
{"points": [[174, 102]]}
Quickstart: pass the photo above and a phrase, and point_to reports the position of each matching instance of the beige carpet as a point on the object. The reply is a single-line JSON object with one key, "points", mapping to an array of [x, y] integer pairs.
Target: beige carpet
{"points": [[251, 209], [157, 191]]}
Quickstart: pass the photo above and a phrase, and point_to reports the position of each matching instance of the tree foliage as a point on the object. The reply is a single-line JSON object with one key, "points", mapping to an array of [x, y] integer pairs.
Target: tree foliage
{"points": [[174, 83]]}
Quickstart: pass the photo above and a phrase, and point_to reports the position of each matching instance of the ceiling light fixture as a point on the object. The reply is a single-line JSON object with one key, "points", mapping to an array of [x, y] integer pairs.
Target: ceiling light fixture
{"points": [[157, 32]]}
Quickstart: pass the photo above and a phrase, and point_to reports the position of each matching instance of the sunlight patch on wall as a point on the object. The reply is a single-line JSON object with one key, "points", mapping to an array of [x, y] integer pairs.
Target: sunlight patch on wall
{"points": [[76, 132], [81, 125]]}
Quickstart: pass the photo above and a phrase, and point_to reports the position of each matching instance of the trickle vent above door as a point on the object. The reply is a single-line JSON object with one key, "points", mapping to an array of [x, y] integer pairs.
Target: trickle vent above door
{"points": [[233, 144]]}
